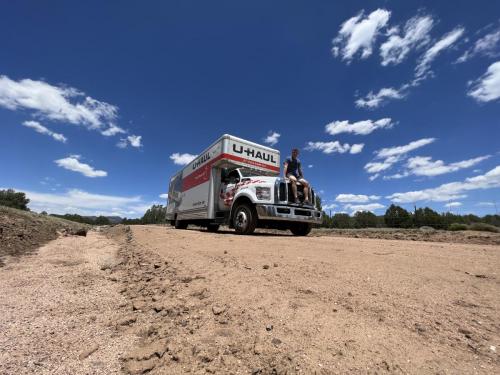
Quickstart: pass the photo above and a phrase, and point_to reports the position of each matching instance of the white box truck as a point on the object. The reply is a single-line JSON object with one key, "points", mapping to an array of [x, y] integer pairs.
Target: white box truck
{"points": [[238, 183]]}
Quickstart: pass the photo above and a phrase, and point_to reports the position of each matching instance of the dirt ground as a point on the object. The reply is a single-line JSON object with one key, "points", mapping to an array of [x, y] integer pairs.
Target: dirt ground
{"points": [[165, 301]]}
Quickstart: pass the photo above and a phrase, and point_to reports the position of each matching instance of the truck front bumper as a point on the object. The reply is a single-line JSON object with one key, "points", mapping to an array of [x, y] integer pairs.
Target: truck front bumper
{"points": [[298, 213]]}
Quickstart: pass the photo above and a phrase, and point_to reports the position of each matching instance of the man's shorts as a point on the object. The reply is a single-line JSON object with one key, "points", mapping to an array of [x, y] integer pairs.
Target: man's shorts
{"points": [[300, 179]]}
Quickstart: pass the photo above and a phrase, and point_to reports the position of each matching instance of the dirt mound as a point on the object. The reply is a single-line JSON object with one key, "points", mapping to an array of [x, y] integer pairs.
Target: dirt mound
{"points": [[22, 232], [422, 234]]}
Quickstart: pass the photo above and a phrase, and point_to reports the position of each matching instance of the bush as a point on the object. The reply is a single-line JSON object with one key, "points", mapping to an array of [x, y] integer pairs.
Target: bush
{"points": [[457, 226], [397, 217], [10, 198], [341, 221], [365, 219], [484, 227]]}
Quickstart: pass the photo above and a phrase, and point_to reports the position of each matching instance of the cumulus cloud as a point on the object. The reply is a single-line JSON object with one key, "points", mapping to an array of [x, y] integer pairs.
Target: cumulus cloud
{"points": [[488, 45], [356, 198], [363, 207], [39, 128], [85, 203], [59, 103], [358, 34], [181, 159], [425, 166], [163, 196], [392, 155], [453, 204], [452, 190], [272, 138], [423, 67], [113, 130], [132, 140], [360, 127], [73, 163], [374, 100], [486, 204], [415, 34], [330, 206], [55, 102], [334, 147], [487, 87]]}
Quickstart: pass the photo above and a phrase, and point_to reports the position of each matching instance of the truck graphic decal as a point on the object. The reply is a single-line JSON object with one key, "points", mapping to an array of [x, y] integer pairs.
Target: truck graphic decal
{"points": [[228, 195]]}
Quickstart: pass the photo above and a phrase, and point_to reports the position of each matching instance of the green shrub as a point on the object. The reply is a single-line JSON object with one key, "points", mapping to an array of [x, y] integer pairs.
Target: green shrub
{"points": [[11, 198], [457, 226], [484, 227]]}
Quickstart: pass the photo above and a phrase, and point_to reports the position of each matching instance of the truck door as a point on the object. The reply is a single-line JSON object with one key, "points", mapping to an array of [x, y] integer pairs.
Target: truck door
{"points": [[228, 187]]}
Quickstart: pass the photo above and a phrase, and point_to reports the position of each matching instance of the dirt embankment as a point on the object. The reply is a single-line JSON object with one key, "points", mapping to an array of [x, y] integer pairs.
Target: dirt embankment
{"points": [[22, 232]]}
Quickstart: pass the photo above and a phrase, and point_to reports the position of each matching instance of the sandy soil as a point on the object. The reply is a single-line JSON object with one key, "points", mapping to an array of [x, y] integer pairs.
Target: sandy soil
{"points": [[188, 301]]}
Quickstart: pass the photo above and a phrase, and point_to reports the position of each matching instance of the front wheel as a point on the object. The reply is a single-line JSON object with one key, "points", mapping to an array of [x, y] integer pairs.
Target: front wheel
{"points": [[301, 229], [244, 219]]}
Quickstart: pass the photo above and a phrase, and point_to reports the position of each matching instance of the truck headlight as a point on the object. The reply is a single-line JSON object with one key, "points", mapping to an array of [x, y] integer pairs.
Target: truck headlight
{"points": [[263, 193]]}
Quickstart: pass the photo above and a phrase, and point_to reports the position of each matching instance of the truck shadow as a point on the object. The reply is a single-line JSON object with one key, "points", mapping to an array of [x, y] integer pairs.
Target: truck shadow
{"points": [[229, 232]]}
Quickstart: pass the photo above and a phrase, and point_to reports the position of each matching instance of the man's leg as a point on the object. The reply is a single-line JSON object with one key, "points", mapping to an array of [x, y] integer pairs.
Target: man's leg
{"points": [[306, 189], [293, 182]]}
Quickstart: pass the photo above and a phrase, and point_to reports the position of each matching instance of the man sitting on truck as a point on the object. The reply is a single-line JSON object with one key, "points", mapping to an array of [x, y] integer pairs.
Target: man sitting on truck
{"points": [[293, 171]]}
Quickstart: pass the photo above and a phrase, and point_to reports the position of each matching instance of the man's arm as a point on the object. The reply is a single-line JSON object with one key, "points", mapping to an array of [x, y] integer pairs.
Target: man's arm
{"points": [[285, 168], [300, 170]]}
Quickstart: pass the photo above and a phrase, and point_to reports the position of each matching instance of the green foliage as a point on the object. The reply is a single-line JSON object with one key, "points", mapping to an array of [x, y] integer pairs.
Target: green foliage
{"points": [[11, 198], [365, 219], [427, 217], [157, 214], [397, 217], [457, 226], [318, 205], [341, 221], [484, 227], [100, 220]]}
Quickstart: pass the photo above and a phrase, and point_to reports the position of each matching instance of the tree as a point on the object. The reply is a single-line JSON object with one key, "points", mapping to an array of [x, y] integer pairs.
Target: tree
{"points": [[397, 217], [341, 221], [12, 199], [365, 219], [102, 220], [428, 217], [157, 214]]}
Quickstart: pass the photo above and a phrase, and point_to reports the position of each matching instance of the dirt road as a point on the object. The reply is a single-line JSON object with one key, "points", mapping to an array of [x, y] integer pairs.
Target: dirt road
{"points": [[191, 301]]}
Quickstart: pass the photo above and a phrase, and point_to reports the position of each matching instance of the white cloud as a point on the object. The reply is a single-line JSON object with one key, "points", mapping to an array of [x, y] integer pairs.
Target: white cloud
{"points": [[39, 128], [392, 155], [487, 87], [363, 207], [181, 159], [359, 34], [425, 166], [360, 128], [55, 102], [310, 166], [113, 130], [416, 34], [334, 146], [423, 67], [356, 198], [84, 203], [372, 100], [73, 163], [486, 204], [400, 150], [452, 190], [132, 140], [329, 206], [488, 45], [163, 196], [453, 204], [272, 138], [356, 148]]}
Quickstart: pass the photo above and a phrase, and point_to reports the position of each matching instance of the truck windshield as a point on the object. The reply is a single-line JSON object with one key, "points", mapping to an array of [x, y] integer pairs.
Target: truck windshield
{"points": [[248, 172]]}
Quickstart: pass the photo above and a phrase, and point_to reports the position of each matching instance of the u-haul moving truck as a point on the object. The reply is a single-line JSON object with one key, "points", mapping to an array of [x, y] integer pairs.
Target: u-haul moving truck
{"points": [[237, 182]]}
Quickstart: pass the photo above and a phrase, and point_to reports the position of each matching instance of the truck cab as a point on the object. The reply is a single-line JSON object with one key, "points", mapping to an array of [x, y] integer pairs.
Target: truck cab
{"points": [[241, 192]]}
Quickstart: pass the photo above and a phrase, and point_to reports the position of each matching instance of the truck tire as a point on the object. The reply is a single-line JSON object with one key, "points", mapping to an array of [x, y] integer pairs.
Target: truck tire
{"points": [[181, 224], [213, 227], [301, 229], [244, 219]]}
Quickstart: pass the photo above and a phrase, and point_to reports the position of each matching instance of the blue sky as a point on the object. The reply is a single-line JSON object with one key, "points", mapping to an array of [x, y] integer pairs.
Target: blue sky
{"points": [[389, 101]]}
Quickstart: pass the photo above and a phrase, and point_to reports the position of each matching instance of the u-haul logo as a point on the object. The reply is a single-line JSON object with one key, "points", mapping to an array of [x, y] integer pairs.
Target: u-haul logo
{"points": [[256, 154], [201, 160]]}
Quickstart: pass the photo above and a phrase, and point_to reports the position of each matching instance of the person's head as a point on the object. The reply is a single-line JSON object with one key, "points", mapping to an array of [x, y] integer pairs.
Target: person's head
{"points": [[295, 152]]}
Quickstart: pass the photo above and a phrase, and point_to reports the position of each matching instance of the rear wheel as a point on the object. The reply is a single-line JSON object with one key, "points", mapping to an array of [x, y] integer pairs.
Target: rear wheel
{"points": [[181, 224], [213, 227], [244, 219], [301, 229]]}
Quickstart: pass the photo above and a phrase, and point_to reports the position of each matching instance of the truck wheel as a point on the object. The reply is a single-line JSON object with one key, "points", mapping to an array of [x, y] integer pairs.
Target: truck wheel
{"points": [[213, 227], [181, 224], [301, 229], [244, 219]]}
